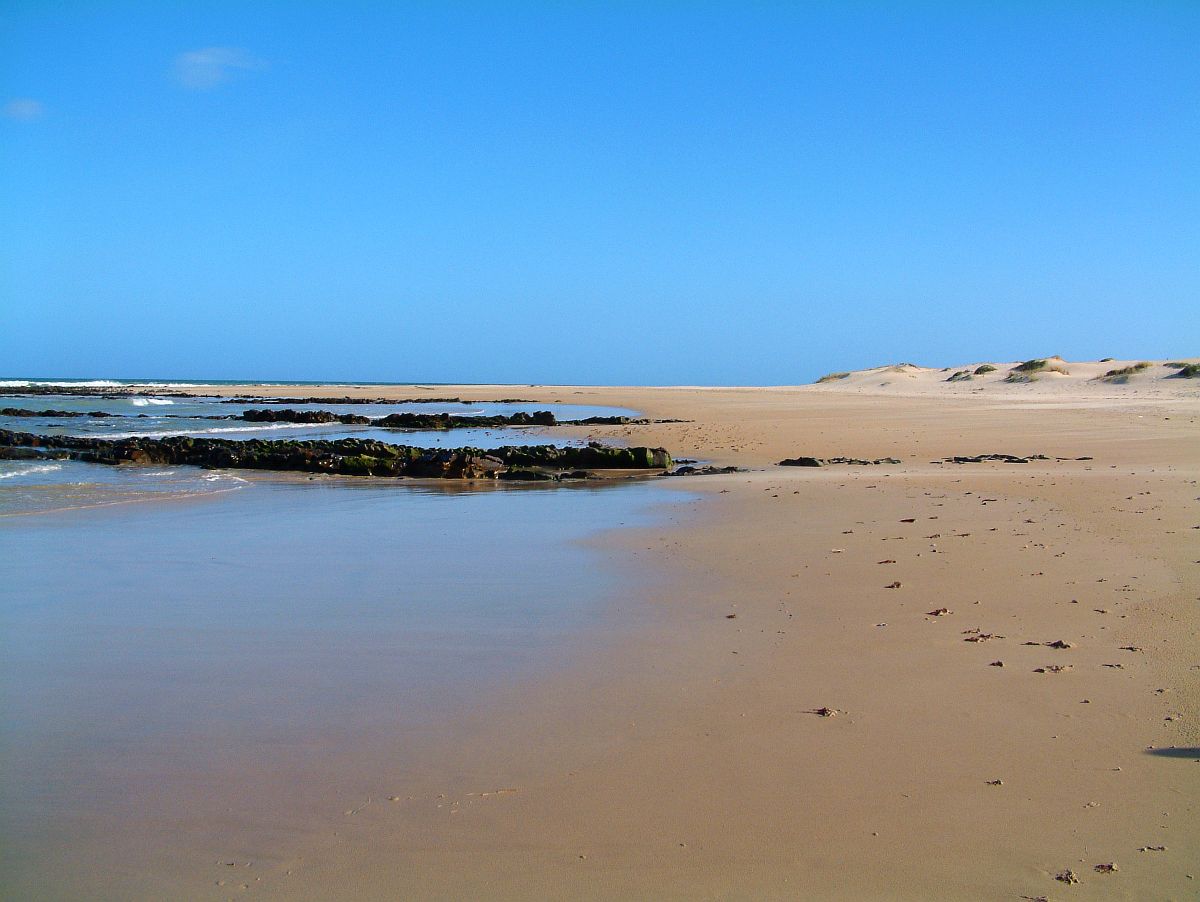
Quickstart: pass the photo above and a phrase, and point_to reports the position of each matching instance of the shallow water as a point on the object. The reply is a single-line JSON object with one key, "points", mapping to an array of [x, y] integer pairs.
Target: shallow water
{"points": [[151, 649], [39, 486], [33, 487], [158, 417]]}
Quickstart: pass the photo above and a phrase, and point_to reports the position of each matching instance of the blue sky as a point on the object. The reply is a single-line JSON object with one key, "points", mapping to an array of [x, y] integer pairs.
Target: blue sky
{"points": [[593, 192]]}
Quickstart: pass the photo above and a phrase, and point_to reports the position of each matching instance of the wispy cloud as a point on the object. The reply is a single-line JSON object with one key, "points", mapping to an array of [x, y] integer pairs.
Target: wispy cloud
{"points": [[208, 67], [24, 109]]}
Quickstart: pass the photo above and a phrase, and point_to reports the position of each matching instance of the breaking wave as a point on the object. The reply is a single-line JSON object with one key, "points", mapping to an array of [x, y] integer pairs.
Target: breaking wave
{"points": [[30, 469], [94, 383]]}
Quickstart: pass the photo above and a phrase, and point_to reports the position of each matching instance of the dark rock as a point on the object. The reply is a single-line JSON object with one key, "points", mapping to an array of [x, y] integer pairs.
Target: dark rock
{"points": [[423, 421], [358, 457], [15, 453], [615, 421], [24, 412], [449, 421], [603, 421], [802, 462], [821, 462], [997, 458], [268, 399], [288, 415], [91, 391], [526, 475]]}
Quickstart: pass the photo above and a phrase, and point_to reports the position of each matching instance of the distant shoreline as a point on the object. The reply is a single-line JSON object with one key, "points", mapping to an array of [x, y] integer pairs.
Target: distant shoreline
{"points": [[968, 375]]}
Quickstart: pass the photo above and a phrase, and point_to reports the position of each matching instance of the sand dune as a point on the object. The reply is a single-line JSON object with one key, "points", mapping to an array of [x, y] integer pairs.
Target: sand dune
{"points": [[1035, 378]]}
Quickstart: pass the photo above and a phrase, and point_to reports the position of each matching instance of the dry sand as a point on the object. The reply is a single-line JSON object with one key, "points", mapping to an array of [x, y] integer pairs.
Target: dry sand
{"points": [[684, 760]]}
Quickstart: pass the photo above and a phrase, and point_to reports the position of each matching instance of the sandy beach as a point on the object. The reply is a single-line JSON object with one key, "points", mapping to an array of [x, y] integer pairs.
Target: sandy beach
{"points": [[916, 681]]}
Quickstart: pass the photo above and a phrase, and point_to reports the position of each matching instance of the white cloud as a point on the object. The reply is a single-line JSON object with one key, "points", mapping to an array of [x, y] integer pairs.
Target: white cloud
{"points": [[24, 108], [208, 67]]}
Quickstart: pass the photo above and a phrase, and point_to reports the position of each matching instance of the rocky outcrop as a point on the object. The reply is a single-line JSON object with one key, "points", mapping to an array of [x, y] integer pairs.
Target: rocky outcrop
{"points": [[93, 391], [23, 412], [10, 452], [802, 462], [287, 415], [826, 461], [121, 391], [616, 421], [391, 421], [425, 421], [449, 421], [1000, 458], [268, 399], [354, 457], [996, 458], [707, 470], [437, 420], [604, 421]]}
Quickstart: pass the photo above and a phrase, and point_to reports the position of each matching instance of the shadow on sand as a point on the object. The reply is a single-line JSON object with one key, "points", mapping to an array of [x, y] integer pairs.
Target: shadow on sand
{"points": [[1176, 752]]}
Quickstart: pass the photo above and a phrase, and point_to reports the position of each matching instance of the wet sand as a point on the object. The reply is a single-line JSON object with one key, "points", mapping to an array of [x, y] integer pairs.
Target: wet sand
{"points": [[686, 755]]}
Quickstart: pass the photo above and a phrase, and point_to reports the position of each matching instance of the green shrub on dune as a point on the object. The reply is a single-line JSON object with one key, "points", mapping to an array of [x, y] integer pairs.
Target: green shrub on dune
{"points": [[1029, 366], [832, 377], [1037, 365], [1123, 374]]}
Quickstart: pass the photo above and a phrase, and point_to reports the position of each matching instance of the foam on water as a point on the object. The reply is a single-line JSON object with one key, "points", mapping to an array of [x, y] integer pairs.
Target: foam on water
{"points": [[22, 469], [34, 487], [221, 477], [145, 402], [94, 383]]}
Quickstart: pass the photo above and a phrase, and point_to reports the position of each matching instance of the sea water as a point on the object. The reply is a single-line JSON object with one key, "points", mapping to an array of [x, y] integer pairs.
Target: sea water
{"points": [[161, 627], [161, 416]]}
